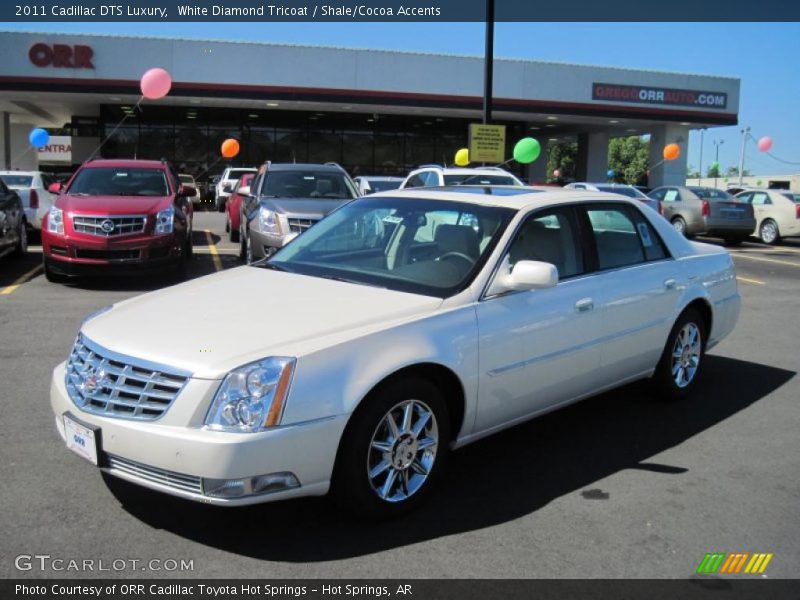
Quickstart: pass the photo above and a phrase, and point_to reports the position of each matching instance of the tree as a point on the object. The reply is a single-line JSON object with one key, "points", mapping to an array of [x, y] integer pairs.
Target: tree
{"points": [[629, 158], [734, 172], [692, 173], [713, 171], [561, 157]]}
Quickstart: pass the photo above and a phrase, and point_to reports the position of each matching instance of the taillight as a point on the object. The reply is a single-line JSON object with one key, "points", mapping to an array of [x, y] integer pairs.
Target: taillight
{"points": [[660, 209], [706, 208], [797, 211], [34, 199]]}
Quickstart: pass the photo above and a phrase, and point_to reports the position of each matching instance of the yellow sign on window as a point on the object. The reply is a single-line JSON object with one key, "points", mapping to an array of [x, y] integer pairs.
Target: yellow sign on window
{"points": [[487, 143]]}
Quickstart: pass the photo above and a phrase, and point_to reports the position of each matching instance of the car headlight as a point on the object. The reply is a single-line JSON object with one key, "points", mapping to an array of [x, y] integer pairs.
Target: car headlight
{"points": [[55, 220], [268, 221], [251, 398], [165, 220]]}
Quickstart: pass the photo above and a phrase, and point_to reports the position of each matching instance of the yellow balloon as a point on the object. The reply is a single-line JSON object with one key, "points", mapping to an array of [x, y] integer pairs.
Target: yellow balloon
{"points": [[462, 157]]}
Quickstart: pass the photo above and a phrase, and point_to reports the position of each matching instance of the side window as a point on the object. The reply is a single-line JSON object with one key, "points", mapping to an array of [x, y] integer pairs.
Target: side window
{"points": [[658, 194], [552, 237], [616, 237], [760, 198], [745, 197], [430, 179], [415, 181], [578, 186], [654, 248], [671, 195]]}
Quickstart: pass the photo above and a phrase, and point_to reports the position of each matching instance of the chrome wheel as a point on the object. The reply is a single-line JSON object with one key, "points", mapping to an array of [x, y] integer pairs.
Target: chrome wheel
{"points": [[679, 225], [686, 355], [769, 232], [402, 451]]}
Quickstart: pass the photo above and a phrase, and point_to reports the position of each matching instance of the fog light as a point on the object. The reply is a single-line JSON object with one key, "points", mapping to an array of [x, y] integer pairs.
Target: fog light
{"points": [[249, 486]]}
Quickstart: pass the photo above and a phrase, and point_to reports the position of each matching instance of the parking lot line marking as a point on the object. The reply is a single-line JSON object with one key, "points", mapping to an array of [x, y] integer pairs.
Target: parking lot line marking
{"points": [[29, 275], [753, 281], [769, 260], [212, 247]]}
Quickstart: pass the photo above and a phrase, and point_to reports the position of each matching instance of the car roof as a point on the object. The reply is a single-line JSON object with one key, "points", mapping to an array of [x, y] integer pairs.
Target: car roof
{"points": [[304, 167], [465, 170], [25, 173], [380, 177], [124, 162], [522, 200]]}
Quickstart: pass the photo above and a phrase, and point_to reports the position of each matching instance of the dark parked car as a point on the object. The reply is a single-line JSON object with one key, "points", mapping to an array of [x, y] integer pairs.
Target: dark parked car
{"points": [[286, 199], [706, 211], [13, 229]]}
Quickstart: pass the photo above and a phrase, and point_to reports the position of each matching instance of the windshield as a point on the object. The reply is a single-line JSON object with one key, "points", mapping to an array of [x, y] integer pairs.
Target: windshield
{"points": [[470, 179], [308, 184], [17, 180], [630, 192], [119, 181], [429, 247], [235, 174], [711, 193], [382, 186]]}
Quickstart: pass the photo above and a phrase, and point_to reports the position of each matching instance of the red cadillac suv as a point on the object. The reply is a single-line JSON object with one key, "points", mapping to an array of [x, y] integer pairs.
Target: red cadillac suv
{"points": [[125, 215]]}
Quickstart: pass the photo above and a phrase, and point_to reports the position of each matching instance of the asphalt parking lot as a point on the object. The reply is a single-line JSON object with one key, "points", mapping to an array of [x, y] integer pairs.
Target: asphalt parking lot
{"points": [[617, 486]]}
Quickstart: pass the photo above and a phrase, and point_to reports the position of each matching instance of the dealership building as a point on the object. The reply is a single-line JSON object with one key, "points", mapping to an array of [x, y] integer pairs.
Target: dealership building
{"points": [[372, 111]]}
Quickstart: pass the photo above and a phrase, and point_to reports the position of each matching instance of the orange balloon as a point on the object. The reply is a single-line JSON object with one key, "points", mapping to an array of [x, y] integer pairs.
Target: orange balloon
{"points": [[230, 148], [672, 151]]}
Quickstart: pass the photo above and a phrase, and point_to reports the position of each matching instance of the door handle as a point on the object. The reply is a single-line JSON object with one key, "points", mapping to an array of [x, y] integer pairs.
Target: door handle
{"points": [[670, 284], [584, 305]]}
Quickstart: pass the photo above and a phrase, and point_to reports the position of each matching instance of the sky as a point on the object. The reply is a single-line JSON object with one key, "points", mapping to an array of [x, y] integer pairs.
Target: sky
{"points": [[763, 55]]}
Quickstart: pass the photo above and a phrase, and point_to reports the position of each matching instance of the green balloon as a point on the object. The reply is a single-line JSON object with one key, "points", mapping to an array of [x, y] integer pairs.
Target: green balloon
{"points": [[527, 150], [715, 165]]}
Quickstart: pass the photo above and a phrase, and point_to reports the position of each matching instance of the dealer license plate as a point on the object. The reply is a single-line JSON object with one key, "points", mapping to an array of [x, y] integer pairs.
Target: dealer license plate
{"points": [[80, 439]]}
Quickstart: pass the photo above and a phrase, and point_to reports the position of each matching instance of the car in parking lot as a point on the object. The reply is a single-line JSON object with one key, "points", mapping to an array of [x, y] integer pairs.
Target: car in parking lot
{"points": [[233, 206], [696, 210], [436, 176], [189, 180], [617, 188], [32, 188], [370, 184], [118, 215], [286, 199], [224, 186], [383, 337], [13, 229], [777, 213]]}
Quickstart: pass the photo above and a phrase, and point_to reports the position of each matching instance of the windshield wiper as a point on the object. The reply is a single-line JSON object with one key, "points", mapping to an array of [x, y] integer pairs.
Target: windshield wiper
{"points": [[272, 267], [346, 280]]}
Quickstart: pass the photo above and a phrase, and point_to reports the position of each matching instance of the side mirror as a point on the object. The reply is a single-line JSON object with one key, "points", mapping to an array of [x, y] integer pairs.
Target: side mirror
{"points": [[526, 275], [188, 191], [227, 188], [244, 191], [54, 188]]}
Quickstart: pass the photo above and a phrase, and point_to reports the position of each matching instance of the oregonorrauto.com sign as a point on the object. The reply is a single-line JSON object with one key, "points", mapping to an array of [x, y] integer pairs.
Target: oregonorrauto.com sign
{"points": [[638, 94]]}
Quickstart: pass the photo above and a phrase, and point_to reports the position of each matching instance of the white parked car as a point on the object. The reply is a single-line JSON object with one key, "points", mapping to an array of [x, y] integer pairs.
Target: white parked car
{"points": [[371, 184], [617, 188], [777, 213], [32, 188], [226, 183], [383, 337], [437, 176]]}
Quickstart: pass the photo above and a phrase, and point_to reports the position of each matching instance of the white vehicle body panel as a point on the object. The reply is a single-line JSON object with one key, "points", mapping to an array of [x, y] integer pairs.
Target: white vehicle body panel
{"points": [[46, 198], [514, 355]]}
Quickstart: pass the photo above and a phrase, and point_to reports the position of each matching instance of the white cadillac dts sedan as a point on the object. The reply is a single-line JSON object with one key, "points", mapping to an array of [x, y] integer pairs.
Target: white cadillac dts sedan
{"points": [[402, 326]]}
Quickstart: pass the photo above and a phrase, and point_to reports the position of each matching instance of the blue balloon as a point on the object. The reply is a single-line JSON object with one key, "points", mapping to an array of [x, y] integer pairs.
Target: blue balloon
{"points": [[38, 137], [610, 173]]}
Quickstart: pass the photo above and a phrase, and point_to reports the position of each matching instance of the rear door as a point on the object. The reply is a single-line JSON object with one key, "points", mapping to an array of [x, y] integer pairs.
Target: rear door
{"points": [[762, 206], [639, 290]]}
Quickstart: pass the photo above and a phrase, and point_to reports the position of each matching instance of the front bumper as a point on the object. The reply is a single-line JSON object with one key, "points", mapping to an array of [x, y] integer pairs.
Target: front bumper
{"points": [[264, 244], [147, 452]]}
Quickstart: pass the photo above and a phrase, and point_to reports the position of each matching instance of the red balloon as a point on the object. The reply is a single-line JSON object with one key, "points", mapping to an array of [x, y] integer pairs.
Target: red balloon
{"points": [[765, 144], [230, 148]]}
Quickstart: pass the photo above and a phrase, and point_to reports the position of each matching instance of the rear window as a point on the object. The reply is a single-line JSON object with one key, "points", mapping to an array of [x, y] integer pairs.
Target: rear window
{"points": [[468, 179], [711, 193], [382, 186], [624, 191], [792, 197], [17, 180], [120, 181], [186, 178]]}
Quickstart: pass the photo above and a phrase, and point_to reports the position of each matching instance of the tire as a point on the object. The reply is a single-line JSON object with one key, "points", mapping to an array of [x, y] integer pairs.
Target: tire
{"points": [[242, 246], [51, 276], [675, 386], [680, 225], [233, 234], [769, 232], [382, 483], [227, 225], [21, 249], [189, 246]]}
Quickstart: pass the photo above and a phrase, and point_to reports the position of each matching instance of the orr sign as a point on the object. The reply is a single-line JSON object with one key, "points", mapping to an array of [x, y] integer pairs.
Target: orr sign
{"points": [[655, 95], [61, 56]]}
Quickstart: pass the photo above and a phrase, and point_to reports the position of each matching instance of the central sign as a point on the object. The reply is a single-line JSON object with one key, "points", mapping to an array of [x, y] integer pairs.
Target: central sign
{"points": [[487, 143]]}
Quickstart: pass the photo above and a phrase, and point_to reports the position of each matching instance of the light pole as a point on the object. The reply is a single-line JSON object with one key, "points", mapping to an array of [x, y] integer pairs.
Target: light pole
{"points": [[717, 143], [745, 134], [702, 134], [488, 63]]}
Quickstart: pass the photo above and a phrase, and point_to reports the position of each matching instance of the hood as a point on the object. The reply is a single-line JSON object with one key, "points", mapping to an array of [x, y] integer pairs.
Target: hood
{"points": [[310, 207], [113, 205], [213, 324]]}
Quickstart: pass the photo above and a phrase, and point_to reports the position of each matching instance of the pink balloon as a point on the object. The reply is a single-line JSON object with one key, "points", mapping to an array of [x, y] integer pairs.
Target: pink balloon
{"points": [[765, 144], [155, 83], [556, 173]]}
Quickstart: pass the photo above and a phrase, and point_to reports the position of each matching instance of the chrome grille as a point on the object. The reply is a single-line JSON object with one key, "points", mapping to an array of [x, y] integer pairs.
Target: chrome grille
{"points": [[108, 226], [171, 479], [103, 383], [297, 225]]}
